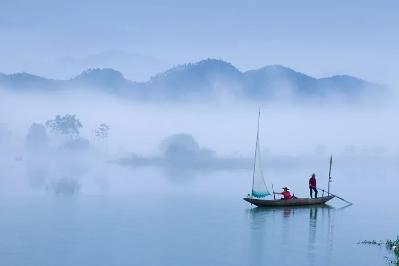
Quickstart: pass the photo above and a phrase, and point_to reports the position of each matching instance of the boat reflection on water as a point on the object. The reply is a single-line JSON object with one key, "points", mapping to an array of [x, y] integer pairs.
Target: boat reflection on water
{"points": [[291, 235]]}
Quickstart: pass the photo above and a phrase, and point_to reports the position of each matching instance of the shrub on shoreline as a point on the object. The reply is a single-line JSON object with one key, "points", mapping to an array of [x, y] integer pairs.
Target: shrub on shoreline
{"points": [[392, 245]]}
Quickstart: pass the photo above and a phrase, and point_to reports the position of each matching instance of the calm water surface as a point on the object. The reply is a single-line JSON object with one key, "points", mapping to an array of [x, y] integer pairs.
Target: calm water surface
{"points": [[177, 230]]}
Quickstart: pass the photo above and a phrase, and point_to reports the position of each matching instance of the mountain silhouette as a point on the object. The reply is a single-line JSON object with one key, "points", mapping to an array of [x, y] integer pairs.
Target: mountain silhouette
{"points": [[22, 81], [204, 80]]}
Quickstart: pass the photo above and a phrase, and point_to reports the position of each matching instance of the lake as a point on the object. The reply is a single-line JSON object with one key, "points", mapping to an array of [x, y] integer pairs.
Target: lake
{"points": [[198, 223]]}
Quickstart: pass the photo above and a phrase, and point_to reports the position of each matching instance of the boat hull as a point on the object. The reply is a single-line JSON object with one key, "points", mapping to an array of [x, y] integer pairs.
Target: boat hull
{"points": [[290, 202]]}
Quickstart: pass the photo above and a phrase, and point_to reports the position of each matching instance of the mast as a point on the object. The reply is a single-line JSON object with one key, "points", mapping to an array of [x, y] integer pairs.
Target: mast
{"points": [[256, 148], [329, 176]]}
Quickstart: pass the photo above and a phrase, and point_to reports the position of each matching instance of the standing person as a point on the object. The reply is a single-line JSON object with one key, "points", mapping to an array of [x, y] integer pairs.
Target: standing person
{"points": [[313, 186], [286, 194]]}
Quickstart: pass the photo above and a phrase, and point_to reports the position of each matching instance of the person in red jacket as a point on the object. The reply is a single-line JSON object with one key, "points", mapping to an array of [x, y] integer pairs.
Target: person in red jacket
{"points": [[313, 186], [286, 194]]}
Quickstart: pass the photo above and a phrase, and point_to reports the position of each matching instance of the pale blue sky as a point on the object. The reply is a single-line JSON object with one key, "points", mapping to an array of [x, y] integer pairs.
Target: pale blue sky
{"points": [[316, 37]]}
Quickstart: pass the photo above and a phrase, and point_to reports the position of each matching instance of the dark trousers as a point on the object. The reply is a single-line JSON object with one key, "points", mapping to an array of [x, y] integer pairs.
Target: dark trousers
{"points": [[311, 189]]}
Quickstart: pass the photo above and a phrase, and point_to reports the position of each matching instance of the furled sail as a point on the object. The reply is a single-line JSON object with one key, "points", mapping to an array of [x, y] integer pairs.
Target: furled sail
{"points": [[259, 188]]}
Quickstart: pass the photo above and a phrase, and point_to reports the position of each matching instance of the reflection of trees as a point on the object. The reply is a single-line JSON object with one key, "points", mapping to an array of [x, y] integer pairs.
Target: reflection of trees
{"points": [[64, 186], [57, 168]]}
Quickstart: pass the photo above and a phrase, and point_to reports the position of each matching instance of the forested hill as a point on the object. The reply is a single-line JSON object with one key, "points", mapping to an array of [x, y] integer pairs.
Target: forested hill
{"points": [[205, 79]]}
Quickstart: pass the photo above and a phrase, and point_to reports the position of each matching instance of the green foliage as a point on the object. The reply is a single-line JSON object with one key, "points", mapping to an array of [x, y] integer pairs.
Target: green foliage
{"points": [[102, 131], [371, 242], [65, 125], [37, 136], [392, 245]]}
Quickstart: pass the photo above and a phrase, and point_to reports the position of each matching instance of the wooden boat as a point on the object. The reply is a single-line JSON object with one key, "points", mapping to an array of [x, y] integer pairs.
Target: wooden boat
{"points": [[290, 202], [260, 191]]}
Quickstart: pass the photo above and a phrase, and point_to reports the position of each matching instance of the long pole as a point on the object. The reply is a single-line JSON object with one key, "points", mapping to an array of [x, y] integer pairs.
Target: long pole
{"points": [[256, 148], [329, 176], [336, 196]]}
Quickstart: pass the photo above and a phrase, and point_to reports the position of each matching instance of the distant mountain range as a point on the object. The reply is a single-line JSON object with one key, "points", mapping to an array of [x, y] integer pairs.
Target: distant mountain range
{"points": [[204, 80]]}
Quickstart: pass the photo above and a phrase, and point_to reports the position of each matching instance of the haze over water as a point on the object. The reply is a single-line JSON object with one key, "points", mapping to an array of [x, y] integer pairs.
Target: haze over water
{"points": [[174, 213]]}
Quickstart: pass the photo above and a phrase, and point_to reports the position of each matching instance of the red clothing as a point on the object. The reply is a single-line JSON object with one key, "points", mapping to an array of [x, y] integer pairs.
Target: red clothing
{"points": [[286, 194], [312, 182]]}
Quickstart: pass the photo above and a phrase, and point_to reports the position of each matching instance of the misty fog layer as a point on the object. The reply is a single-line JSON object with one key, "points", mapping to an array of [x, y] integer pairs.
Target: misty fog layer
{"points": [[210, 80], [85, 142]]}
